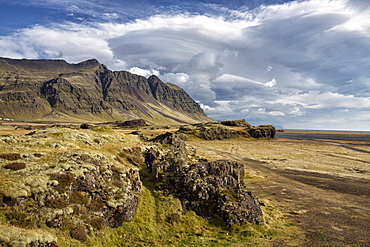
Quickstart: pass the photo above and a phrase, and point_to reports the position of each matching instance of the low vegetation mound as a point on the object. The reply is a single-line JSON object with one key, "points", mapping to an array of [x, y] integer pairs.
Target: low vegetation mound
{"points": [[65, 185]]}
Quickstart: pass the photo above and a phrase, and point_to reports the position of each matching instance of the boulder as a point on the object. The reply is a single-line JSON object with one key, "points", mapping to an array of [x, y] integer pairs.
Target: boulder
{"points": [[263, 131], [210, 188], [132, 123], [212, 132], [237, 123]]}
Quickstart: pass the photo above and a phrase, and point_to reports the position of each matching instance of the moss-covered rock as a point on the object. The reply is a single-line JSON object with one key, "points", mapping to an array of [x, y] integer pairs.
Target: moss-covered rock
{"points": [[71, 180]]}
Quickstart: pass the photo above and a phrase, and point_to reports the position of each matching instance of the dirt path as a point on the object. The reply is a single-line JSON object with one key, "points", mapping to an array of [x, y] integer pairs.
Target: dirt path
{"points": [[332, 210]]}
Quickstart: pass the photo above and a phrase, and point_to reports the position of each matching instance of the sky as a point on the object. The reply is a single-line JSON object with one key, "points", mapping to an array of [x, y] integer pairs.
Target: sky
{"points": [[297, 64]]}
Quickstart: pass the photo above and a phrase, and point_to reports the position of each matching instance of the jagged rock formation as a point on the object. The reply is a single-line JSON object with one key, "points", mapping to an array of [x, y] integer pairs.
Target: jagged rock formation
{"points": [[72, 181], [208, 188], [262, 131], [238, 123], [212, 131], [56, 90], [132, 123], [215, 131]]}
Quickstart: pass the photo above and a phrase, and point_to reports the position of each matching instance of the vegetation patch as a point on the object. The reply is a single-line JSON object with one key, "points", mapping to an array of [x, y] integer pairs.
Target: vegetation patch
{"points": [[20, 219], [15, 166], [10, 156], [79, 233], [79, 198], [96, 223], [38, 155], [64, 180], [56, 203]]}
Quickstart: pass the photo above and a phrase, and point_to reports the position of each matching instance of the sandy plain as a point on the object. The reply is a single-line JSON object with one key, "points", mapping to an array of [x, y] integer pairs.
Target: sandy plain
{"points": [[324, 189]]}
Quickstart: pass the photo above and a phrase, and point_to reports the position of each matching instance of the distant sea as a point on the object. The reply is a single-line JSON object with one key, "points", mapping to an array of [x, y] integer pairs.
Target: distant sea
{"points": [[334, 135]]}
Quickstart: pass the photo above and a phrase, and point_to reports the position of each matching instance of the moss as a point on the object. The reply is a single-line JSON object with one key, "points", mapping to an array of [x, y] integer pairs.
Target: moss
{"points": [[15, 166], [77, 209], [20, 219], [79, 233], [64, 180], [173, 218], [96, 205], [10, 156], [96, 223], [79, 198], [56, 203]]}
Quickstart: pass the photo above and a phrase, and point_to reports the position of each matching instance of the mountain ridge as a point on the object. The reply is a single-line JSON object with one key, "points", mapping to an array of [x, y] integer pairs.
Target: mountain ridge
{"points": [[54, 90]]}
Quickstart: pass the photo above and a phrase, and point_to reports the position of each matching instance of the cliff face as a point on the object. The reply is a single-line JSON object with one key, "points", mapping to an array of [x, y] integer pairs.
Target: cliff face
{"points": [[56, 90]]}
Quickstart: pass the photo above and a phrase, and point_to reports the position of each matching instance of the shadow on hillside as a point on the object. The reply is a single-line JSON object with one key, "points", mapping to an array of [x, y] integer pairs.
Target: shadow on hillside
{"points": [[148, 179]]}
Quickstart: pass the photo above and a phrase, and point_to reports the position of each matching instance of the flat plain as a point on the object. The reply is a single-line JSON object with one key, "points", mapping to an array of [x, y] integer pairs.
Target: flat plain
{"points": [[323, 189]]}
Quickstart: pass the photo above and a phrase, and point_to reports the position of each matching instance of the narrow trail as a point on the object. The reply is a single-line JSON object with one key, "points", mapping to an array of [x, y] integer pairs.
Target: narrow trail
{"points": [[332, 210]]}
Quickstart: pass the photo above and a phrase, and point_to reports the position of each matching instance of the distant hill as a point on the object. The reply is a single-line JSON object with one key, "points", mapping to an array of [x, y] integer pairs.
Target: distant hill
{"points": [[54, 90]]}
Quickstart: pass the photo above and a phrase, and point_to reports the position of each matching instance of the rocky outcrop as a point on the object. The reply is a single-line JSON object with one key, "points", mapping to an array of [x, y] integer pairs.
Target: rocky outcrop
{"points": [[56, 90], [216, 131], [212, 131], [209, 188], [237, 123], [263, 131], [132, 123], [64, 184]]}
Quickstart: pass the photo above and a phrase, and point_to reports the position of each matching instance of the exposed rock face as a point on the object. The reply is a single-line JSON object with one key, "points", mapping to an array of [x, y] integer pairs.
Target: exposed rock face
{"points": [[212, 132], [238, 123], [263, 131], [56, 90], [208, 188], [132, 123]]}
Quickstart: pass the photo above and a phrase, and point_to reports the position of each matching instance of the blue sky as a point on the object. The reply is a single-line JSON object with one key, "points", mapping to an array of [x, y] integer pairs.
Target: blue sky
{"points": [[300, 64]]}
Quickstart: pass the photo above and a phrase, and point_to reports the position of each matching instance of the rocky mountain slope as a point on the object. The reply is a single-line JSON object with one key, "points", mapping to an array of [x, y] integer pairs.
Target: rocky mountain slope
{"points": [[55, 90]]}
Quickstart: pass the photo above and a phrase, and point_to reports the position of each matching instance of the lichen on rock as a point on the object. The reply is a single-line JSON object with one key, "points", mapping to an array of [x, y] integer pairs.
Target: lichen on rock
{"points": [[69, 186], [209, 188]]}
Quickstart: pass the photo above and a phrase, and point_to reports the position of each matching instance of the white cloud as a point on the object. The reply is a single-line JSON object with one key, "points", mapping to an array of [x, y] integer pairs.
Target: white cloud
{"points": [[143, 72], [297, 61], [270, 83]]}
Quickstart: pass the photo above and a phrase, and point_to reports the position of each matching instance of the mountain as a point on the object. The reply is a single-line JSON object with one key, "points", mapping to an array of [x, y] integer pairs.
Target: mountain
{"points": [[54, 90]]}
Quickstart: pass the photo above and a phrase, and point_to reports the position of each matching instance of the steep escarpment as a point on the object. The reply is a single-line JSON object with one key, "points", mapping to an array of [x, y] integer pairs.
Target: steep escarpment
{"points": [[56, 90]]}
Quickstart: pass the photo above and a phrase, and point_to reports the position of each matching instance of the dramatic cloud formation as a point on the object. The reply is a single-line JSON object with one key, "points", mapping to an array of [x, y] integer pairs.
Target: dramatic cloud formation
{"points": [[299, 64]]}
